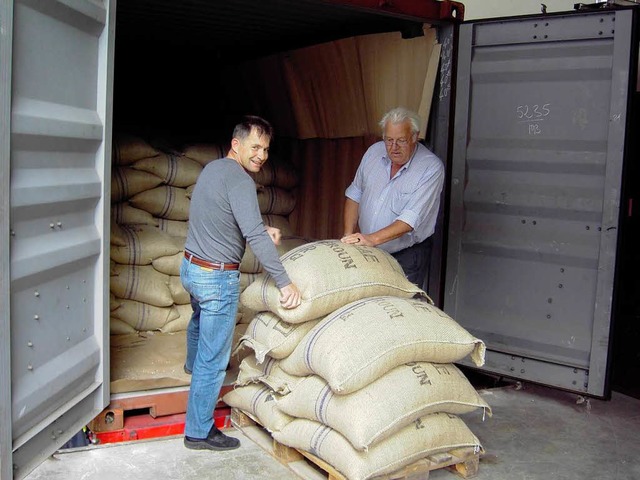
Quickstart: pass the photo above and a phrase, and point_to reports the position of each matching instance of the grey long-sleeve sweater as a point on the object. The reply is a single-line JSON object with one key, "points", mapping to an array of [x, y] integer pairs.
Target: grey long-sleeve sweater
{"points": [[224, 212]]}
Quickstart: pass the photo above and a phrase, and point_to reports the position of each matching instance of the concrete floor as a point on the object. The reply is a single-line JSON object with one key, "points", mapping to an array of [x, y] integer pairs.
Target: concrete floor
{"points": [[536, 433]]}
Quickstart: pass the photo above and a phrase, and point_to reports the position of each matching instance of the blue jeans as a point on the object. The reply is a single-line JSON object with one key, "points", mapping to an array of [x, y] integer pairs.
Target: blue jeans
{"points": [[415, 261], [214, 298]]}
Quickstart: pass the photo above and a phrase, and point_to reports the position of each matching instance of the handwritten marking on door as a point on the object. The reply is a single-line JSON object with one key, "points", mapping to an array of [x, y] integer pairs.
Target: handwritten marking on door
{"points": [[533, 114]]}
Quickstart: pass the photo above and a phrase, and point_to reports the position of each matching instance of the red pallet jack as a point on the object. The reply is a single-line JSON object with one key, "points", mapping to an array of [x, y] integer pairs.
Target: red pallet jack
{"points": [[156, 415]]}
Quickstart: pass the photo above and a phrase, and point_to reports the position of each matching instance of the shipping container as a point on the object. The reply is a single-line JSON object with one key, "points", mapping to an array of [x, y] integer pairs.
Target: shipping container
{"points": [[533, 117]]}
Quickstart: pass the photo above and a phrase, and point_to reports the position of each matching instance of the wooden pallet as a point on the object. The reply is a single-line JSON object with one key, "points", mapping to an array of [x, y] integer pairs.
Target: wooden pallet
{"points": [[464, 462]]}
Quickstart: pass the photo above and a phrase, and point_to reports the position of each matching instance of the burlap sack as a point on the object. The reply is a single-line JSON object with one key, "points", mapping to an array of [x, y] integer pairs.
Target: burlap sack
{"points": [[330, 274], [259, 401], [269, 373], [169, 264], [362, 341], [238, 351], [144, 244], [277, 174], [128, 148], [179, 324], [179, 241], [173, 170], [275, 201], [189, 190], [142, 316], [176, 228], [203, 153], [435, 433], [117, 236], [142, 283], [118, 327], [245, 315], [247, 279], [114, 302], [126, 182], [281, 222], [251, 264], [179, 295], [386, 405], [289, 242], [268, 334], [164, 202], [125, 214]]}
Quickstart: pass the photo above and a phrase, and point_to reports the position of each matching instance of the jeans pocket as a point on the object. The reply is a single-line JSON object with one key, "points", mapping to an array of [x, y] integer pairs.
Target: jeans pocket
{"points": [[234, 279], [207, 294]]}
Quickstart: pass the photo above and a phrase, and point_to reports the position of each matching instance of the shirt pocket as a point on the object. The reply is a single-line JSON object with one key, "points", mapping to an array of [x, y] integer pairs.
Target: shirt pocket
{"points": [[399, 201]]}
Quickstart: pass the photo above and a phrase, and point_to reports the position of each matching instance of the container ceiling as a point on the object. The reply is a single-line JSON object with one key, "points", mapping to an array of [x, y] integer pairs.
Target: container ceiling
{"points": [[247, 28]]}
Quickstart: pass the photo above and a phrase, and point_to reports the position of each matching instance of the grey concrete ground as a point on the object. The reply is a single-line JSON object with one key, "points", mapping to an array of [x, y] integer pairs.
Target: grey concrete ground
{"points": [[536, 433], [539, 433], [162, 459]]}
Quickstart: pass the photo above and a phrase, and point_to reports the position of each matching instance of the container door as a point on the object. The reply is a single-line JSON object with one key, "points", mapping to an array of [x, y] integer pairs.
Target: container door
{"points": [[538, 146], [56, 166]]}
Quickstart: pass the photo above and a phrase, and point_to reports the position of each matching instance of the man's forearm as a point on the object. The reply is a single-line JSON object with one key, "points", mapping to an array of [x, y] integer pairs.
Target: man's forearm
{"points": [[350, 216], [391, 232], [386, 234]]}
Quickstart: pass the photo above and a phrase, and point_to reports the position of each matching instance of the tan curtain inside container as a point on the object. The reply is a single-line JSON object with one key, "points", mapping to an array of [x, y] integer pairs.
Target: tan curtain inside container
{"points": [[325, 167], [264, 82], [341, 89], [398, 72], [325, 84]]}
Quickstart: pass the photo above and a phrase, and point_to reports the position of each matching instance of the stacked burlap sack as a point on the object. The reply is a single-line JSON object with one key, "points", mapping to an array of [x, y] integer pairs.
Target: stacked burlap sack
{"points": [[149, 214], [362, 374], [150, 195], [250, 269]]}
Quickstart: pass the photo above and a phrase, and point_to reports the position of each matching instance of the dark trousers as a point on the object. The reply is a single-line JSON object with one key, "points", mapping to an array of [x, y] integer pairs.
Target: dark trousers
{"points": [[415, 260]]}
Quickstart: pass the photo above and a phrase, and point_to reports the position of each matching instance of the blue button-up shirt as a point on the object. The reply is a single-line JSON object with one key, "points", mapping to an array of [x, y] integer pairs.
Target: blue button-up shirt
{"points": [[411, 196]]}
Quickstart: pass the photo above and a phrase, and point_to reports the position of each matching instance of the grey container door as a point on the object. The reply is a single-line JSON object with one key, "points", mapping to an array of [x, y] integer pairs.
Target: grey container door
{"points": [[535, 190], [55, 168]]}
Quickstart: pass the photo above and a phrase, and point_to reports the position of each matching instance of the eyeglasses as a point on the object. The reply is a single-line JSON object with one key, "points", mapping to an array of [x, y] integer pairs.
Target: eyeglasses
{"points": [[401, 142]]}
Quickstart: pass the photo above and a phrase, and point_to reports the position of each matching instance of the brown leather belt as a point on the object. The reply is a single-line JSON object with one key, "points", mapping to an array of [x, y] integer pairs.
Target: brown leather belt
{"points": [[211, 265]]}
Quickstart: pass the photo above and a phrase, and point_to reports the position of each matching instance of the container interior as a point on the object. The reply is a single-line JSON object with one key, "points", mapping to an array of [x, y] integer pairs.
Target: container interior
{"points": [[321, 73]]}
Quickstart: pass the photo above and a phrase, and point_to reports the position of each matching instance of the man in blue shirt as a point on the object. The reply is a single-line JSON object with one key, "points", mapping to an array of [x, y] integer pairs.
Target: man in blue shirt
{"points": [[394, 198]]}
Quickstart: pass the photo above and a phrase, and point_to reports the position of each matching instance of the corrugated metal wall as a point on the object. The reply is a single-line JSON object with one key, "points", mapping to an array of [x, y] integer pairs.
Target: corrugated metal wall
{"points": [[535, 192], [60, 148]]}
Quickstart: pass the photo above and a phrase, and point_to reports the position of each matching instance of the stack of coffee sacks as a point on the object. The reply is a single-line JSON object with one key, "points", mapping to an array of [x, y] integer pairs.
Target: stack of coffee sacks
{"points": [[361, 374], [150, 213]]}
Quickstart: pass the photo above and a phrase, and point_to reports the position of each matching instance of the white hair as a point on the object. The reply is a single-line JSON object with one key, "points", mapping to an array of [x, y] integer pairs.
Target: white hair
{"points": [[401, 115]]}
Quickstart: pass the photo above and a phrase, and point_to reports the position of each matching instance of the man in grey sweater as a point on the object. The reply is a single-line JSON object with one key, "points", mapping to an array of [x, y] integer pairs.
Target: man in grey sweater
{"points": [[223, 213]]}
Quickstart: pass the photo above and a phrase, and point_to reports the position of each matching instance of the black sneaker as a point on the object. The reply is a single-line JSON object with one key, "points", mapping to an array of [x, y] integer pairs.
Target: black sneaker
{"points": [[186, 370], [216, 440]]}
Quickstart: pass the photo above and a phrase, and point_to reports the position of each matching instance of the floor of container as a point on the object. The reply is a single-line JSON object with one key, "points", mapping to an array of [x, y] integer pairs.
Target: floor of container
{"points": [[535, 433]]}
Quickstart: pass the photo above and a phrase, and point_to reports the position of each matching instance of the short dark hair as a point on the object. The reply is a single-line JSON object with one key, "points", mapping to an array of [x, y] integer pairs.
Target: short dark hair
{"points": [[243, 129]]}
